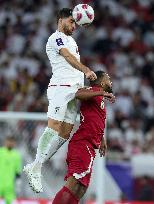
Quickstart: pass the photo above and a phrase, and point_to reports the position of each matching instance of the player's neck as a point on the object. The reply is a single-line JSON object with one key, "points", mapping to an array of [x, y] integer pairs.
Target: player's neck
{"points": [[60, 29]]}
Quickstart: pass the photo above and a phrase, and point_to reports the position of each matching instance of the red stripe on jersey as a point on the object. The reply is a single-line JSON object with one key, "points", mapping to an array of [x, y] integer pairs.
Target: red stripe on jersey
{"points": [[60, 85]]}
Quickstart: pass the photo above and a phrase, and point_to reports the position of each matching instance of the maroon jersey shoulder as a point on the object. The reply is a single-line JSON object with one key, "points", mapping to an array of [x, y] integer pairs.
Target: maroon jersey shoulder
{"points": [[96, 102]]}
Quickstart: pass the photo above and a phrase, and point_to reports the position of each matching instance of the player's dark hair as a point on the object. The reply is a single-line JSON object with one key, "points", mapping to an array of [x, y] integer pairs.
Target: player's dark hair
{"points": [[100, 75], [12, 138], [64, 13]]}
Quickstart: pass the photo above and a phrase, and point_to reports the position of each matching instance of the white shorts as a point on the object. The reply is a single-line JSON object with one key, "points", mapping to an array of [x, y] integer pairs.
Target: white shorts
{"points": [[62, 103]]}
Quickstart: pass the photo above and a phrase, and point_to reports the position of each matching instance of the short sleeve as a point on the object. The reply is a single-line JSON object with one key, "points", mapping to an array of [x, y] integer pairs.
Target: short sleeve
{"points": [[58, 42]]}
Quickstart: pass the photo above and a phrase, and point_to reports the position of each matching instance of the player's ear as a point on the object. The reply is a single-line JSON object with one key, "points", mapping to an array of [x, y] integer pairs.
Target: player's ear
{"points": [[60, 21]]}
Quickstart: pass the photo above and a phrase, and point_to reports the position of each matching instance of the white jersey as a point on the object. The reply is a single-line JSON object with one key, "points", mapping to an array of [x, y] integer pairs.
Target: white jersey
{"points": [[63, 72]]}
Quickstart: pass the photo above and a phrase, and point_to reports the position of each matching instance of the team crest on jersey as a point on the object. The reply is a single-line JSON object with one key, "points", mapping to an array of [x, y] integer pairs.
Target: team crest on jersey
{"points": [[102, 104], [57, 109]]}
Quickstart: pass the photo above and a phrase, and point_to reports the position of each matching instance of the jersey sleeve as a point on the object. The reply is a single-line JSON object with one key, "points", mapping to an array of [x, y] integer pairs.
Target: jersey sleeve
{"points": [[58, 42]]}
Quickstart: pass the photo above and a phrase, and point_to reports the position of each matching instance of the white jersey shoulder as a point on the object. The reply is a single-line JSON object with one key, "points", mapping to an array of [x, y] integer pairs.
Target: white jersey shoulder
{"points": [[59, 40], [61, 69]]}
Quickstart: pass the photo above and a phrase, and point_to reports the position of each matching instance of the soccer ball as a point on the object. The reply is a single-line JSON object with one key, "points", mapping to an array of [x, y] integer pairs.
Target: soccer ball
{"points": [[83, 14]]}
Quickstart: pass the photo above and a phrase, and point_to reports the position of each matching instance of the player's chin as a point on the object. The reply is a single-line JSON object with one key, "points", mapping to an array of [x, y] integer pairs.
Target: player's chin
{"points": [[108, 89], [70, 33]]}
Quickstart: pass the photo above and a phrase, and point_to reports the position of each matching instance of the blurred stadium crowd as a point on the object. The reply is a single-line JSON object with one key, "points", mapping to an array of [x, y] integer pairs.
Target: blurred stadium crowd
{"points": [[120, 41]]}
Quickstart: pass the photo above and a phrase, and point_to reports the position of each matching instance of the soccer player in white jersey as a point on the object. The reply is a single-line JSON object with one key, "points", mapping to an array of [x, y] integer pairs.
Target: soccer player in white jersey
{"points": [[68, 77]]}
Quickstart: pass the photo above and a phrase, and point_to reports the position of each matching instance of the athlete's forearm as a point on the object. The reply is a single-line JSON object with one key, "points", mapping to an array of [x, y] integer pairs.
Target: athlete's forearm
{"points": [[76, 64], [103, 141], [72, 60], [85, 94]]}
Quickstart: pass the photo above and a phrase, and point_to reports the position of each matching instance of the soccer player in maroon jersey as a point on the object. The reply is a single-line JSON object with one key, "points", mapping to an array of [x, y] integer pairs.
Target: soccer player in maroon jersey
{"points": [[89, 136]]}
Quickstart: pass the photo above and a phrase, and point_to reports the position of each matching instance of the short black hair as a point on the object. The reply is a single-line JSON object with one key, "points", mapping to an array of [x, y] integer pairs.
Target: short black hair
{"points": [[64, 13], [100, 75]]}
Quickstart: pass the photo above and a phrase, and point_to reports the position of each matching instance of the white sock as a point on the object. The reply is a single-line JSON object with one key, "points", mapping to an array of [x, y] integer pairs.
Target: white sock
{"points": [[55, 144], [48, 145]]}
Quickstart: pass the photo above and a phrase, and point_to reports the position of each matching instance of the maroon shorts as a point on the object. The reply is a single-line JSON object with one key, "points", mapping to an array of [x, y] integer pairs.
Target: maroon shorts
{"points": [[80, 157]]}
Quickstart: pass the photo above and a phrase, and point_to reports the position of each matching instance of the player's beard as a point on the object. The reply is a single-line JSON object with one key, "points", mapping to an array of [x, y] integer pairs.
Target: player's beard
{"points": [[108, 88], [67, 31]]}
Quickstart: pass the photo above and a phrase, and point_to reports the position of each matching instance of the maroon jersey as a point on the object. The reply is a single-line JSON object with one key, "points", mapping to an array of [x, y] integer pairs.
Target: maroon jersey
{"points": [[92, 120]]}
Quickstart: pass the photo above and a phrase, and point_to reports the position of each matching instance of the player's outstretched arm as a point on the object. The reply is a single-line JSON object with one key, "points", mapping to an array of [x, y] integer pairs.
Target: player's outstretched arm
{"points": [[72, 60], [86, 94]]}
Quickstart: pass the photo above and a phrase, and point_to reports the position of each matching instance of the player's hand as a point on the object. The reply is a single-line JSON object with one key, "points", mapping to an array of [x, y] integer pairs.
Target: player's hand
{"points": [[91, 75], [103, 147], [109, 96]]}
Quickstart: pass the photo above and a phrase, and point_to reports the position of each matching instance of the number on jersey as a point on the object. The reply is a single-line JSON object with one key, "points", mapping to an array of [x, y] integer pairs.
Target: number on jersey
{"points": [[102, 105]]}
